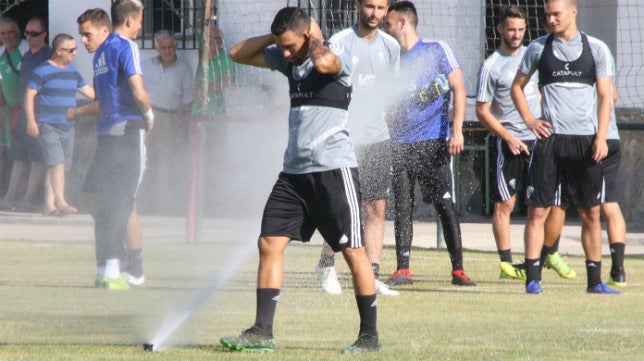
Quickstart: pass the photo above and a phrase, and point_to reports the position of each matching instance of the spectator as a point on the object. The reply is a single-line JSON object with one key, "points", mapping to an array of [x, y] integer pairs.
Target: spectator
{"points": [[17, 63], [169, 81], [50, 92]]}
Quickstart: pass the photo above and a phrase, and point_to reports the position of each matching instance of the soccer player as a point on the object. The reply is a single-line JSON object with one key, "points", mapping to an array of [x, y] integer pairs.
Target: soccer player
{"points": [[376, 59], [318, 186], [126, 114], [514, 140], [422, 140], [571, 139], [610, 209]]}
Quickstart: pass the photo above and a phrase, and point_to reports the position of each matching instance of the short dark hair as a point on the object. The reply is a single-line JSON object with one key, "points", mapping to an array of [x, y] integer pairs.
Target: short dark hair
{"points": [[511, 11], [41, 21], [98, 17], [290, 18], [60, 39], [122, 9], [408, 8]]}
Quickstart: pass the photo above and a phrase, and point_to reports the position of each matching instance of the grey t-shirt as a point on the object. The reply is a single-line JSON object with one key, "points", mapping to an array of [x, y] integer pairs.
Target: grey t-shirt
{"points": [[569, 107], [495, 82], [376, 67], [318, 135]]}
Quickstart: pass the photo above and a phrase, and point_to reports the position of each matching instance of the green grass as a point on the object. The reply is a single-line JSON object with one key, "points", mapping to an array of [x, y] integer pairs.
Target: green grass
{"points": [[49, 309]]}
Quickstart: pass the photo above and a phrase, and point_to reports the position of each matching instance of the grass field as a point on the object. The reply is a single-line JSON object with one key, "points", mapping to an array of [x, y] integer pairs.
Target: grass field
{"points": [[49, 309]]}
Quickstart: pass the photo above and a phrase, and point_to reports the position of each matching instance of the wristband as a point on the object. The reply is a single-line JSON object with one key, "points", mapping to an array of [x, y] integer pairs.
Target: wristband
{"points": [[149, 116]]}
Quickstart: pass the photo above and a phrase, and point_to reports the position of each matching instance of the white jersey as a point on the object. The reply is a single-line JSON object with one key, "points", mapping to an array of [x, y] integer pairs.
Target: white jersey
{"points": [[495, 82], [375, 67]]}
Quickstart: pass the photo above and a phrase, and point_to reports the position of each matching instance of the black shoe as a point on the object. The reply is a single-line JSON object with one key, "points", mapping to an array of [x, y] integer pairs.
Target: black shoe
{"points": [[252, 340], [365, 343]]}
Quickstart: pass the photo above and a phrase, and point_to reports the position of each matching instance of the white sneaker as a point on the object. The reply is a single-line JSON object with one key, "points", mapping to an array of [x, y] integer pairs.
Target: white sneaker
{"points": [[329, 280], [134, 281], [383, 289]]}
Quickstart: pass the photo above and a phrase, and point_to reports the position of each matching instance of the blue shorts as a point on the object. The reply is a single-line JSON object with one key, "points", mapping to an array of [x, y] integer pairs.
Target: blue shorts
{"points": [[57, 145]]}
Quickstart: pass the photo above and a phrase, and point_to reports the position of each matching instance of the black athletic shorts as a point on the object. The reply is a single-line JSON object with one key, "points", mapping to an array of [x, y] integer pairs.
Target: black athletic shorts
{"points": [[374, 162], [428, 163], [327, 201], [119, 159], [510, 170], [610, 164], [564, 161]]}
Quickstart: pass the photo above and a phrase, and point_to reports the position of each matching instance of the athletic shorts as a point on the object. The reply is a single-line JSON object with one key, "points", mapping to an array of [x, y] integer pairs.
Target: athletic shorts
{"points": [[510, 170], [24, 148], [612, 186], [374, 162], [119, 159], [57, 145], [562, 166], [327, 201], [429, 164]]}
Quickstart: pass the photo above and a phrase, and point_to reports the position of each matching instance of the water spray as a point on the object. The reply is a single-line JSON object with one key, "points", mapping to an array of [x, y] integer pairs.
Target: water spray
{"points": [[157, 342]]}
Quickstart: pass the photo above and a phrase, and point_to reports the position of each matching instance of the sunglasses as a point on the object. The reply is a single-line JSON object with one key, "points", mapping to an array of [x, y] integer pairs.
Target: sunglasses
{"points": [[33, 34], [68, 50]]}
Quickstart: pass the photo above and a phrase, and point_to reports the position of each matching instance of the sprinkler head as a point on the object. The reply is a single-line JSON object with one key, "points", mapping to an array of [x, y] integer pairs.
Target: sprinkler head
{"points": [[148, 347]]}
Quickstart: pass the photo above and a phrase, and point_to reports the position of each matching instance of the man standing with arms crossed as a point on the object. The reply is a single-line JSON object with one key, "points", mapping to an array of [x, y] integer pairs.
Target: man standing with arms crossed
{"points": [[571, 138], [318, 186], [376, 59], [125, 110], [422, 140], [514, 140]]}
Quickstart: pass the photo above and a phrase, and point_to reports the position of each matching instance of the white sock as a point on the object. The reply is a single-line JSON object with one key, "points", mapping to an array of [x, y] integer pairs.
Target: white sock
{"points": [[112, 268]]}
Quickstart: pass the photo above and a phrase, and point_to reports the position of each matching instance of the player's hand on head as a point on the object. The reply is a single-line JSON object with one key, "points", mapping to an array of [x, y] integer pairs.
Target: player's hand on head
{"points": [[314, 30]]}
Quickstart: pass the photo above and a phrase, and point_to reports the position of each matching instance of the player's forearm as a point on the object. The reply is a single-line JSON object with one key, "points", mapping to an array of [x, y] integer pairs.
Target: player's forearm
{"points": [[459, 109], [250, 51], [324, 60], [521, 103], [490, 122], [89, 109], [603, 116]]}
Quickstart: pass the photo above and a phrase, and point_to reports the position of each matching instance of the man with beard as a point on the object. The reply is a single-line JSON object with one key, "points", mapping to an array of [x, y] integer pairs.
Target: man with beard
{"points": [[376, 59], [318, 186], [514, 140]]}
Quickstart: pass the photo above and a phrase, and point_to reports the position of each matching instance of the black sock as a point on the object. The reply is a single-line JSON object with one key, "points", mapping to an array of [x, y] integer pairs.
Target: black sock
{"points": [[266, 305], [617, 257], [368, 310], [532, 270], [545, 251], [134, 262], [376, 270], [594, 272], [456, 258], [326, 260], [555, 246], [505, 255]]}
